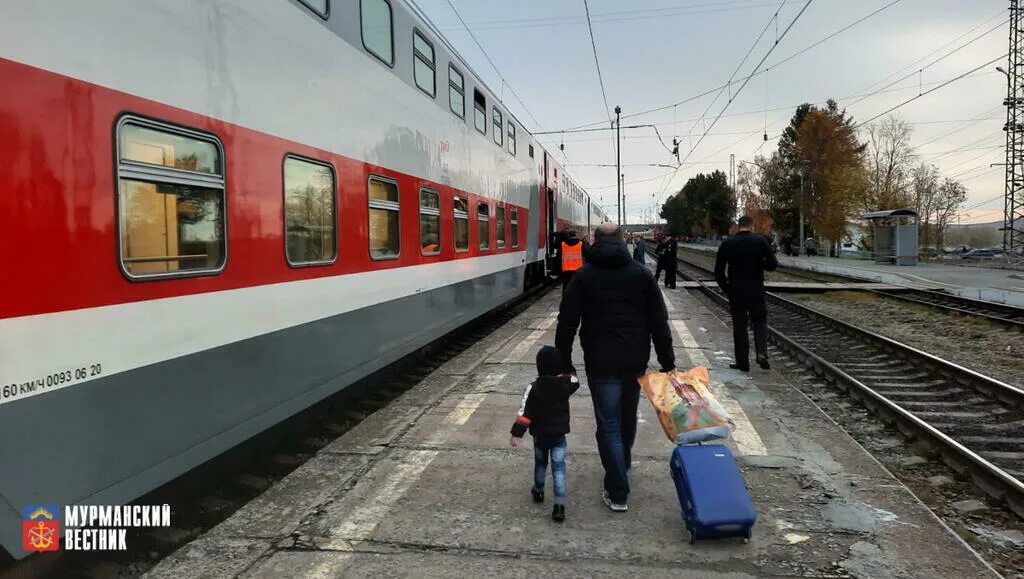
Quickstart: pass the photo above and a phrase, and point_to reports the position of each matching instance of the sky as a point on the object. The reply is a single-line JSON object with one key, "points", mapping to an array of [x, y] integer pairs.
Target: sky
{"points": [[655, 53]]}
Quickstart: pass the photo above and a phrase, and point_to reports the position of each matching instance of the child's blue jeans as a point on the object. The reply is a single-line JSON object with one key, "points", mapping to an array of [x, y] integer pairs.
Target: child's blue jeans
{"points": [[543, 446]]}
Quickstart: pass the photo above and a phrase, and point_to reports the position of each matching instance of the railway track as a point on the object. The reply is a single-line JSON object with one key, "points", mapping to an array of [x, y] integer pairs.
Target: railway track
{"points": [[971, 421], [1002, 314]]}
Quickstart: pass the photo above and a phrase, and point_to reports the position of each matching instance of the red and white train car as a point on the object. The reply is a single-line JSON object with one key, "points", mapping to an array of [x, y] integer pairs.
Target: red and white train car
{"points": [[218, 213]]}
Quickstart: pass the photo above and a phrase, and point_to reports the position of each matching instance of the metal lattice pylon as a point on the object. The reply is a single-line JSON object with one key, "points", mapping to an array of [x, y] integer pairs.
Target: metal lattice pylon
{"points": [[1013, 211]]}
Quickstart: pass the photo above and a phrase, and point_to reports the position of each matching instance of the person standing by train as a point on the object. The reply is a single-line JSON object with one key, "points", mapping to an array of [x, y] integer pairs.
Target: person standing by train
{"points": [[616, 305], [671, 257], [572, 256], [639, 250], [739, 270], [659, 256]]}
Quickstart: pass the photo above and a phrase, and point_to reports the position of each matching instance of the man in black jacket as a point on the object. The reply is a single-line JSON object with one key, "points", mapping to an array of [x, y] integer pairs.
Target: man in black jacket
{"points": [[659, 256], [671, 261], [621, 311], [739, 270]]}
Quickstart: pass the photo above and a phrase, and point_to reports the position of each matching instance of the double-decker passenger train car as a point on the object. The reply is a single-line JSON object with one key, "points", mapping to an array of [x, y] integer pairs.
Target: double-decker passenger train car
{"points": [[219, 213]]}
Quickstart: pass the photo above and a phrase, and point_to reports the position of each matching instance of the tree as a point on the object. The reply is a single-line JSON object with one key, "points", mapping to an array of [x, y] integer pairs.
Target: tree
{"points": [[950, 199], [890, 165], [832, 161], [830, 171], [926, 194], [706, 205], [749, 197]]}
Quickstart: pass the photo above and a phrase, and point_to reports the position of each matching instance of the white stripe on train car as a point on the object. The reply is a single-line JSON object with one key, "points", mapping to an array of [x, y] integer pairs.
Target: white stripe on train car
{"points": [[268, 66], [123, 337]]}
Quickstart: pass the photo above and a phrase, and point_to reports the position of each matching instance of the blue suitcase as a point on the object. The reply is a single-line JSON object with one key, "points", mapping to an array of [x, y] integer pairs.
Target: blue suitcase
{"points": [[712, 492]]}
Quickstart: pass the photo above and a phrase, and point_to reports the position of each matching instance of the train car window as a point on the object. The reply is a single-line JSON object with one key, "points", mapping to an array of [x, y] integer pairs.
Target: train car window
{"points": [[483, 228], [461, 224], [480, 112], [310, 225], [378, 37], [385, 238], [430, 222], [531, 150], [514, 222], [423, 63], [511, 138], [499, 216], [320, 7], [456, 92], [498, 125], [171, 196]]}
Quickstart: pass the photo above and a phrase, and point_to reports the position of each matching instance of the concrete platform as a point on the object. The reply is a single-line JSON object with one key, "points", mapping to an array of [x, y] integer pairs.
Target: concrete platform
{"points": [[977, 282], [428, 487]]}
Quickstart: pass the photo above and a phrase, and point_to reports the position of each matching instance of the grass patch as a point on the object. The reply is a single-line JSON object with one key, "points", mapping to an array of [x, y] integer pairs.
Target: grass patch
{"points": [[850, 296]]}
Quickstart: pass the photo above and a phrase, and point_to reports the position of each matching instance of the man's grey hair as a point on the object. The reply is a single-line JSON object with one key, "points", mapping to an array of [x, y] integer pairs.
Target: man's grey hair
{"points": [[608, 230]]}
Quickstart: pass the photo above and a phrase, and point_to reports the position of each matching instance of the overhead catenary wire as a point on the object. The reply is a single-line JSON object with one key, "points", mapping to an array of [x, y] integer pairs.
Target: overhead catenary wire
{"points": [[937, 49], [500, 76], [623, 16], [775, 109], [728, 83], [932, 63], [757, 72], [597, 61], [927, 92], [736, 94]]}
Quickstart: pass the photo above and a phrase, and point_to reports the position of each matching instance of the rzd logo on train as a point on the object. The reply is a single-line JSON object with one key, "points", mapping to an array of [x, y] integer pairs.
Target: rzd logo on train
{"points": [[40, 528]]}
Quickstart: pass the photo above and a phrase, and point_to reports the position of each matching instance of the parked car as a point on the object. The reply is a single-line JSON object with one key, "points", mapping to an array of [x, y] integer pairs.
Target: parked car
{"points": [[980, 253]]}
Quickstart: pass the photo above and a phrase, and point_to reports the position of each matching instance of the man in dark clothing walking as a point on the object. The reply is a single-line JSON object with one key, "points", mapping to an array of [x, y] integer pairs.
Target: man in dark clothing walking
{"points": [[621, 311], [639, 250], [739, 270], [671, 261], [659, 257]]}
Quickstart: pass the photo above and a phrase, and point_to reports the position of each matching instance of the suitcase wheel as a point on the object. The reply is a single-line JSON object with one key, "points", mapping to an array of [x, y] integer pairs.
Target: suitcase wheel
{"points": [[693, 536], [750, 534]]}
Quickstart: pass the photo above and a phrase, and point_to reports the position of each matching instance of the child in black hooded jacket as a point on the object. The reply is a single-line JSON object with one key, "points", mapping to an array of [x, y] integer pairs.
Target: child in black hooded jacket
{"points": [[545, 412]]}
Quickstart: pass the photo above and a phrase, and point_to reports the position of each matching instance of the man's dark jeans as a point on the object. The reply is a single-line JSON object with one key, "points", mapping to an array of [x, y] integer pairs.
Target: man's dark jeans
{"points": [[615, 403]]}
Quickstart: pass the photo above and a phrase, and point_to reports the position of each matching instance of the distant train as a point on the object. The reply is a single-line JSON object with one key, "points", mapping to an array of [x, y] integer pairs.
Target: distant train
{"points": [[219, 213]]}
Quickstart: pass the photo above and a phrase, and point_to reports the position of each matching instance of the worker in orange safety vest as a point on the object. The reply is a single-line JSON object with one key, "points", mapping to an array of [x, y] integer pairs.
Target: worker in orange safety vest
{"points": [[572, 256]]}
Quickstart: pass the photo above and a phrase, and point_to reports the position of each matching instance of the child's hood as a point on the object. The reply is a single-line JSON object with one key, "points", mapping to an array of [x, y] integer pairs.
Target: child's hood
{"points": [[550, 362]]}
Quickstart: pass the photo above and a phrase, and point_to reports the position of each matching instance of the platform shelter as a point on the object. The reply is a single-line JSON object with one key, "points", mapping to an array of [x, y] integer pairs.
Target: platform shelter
{"points": [[895, 235]]}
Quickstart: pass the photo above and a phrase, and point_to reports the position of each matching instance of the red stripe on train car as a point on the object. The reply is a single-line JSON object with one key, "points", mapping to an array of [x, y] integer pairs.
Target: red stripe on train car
{"points": [[57, 211]]}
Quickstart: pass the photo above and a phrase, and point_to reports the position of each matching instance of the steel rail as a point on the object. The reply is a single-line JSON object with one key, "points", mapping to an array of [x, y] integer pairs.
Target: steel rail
{"points": [[991, 479]]}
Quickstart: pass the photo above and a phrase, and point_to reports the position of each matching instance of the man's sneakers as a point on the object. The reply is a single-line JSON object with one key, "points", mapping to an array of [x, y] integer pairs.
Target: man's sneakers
{"points": [[538, 496], [558, 513], [740, 367], [614, 506]]}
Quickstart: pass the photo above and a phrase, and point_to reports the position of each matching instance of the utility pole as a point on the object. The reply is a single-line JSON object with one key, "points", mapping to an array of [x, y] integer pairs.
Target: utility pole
{"points": [[732, 171], [803, 250], [618, 163], [622, 180], [1013, 206]]}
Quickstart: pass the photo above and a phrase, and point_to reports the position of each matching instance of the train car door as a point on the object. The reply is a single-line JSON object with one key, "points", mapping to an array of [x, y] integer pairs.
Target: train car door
{"points": [[551, 192]]}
